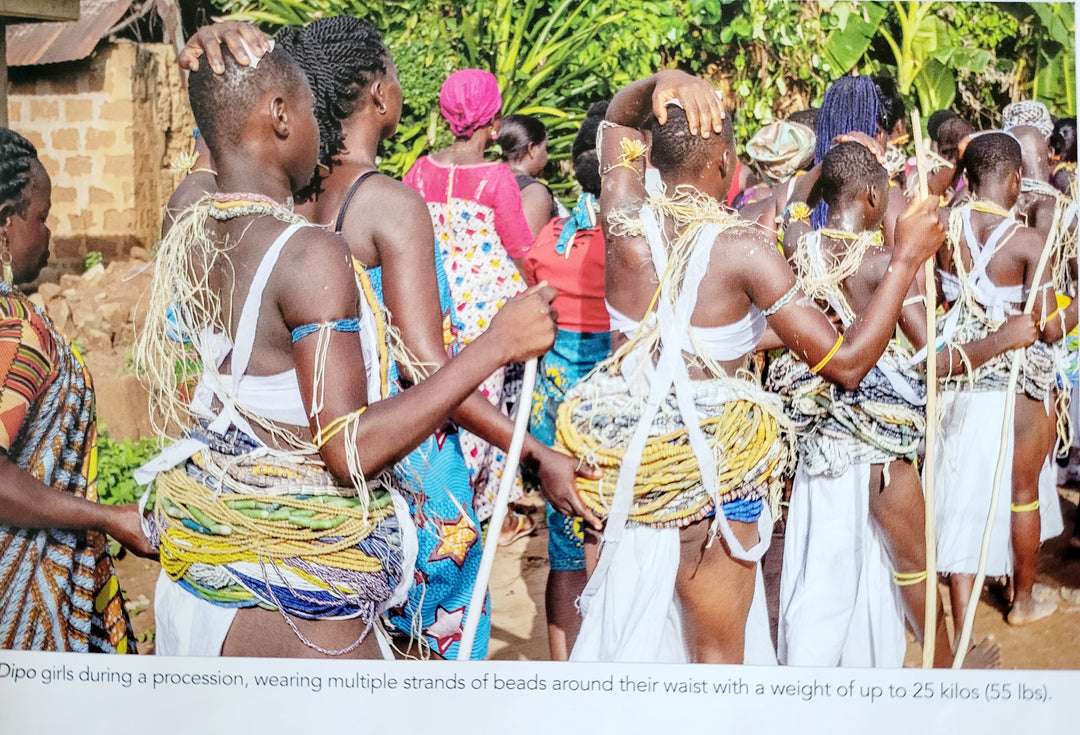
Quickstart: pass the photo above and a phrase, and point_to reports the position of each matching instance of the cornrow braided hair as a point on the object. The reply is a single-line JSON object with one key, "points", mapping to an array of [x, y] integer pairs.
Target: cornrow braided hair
{"points": [[17, 155], [851, 103], [340, 56]]}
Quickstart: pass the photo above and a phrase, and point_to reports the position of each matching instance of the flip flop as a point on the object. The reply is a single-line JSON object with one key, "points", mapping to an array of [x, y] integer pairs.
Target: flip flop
{"points": [[523, 526]]}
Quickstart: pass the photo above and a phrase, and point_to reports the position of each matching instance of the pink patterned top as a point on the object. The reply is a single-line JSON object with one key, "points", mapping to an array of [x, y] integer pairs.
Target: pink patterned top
{"points": [[489, 184]]}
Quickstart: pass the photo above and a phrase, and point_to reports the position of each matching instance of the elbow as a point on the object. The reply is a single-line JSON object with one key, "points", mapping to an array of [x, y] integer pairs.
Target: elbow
{"points": [[371, 465], [846, 374], [851, 380]]}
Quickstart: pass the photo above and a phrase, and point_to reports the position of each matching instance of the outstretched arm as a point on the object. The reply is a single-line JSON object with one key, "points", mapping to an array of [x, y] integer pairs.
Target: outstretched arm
{"points": [[27, 502], [388, 430], [806, 330]]}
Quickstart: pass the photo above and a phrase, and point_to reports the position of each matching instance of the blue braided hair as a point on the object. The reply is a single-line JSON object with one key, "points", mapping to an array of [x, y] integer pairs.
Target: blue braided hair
{"points": [[851, 103]]}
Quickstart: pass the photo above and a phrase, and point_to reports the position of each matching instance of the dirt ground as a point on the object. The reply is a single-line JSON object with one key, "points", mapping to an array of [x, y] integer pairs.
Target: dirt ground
{"points": [[519, 629]]}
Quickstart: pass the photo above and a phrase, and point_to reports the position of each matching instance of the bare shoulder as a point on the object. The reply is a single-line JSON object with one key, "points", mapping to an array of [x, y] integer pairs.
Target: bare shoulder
{"points": [[745, 245], [1027, 241], [874, 266], [193, 188], [317, 252]]}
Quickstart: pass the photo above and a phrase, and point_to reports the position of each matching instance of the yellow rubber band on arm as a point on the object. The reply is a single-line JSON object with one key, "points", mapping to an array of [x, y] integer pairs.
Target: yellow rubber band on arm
{"points": [[831, 353], [1034, 505], [1047, 319], [907, 579], [335, 427]]}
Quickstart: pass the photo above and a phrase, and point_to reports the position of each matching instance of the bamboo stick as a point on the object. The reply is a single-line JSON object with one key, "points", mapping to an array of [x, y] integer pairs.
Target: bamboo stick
{"points": [[498, 515], [930, 616]]}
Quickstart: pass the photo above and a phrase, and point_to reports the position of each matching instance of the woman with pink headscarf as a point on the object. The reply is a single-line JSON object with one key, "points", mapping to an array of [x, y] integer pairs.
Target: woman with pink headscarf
{"points": [[480, 232]]}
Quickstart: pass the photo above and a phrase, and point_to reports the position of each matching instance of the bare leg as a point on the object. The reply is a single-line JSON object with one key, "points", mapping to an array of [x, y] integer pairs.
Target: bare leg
{"points": [[258, 632], [564, 586], [715, 592], [898, 510], [960, 586], [1035, 433]]}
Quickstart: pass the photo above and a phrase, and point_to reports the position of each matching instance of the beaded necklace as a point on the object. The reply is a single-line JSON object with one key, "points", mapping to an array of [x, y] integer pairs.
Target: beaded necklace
{"points": [[989, 207], [224, 207], [877, 239]]}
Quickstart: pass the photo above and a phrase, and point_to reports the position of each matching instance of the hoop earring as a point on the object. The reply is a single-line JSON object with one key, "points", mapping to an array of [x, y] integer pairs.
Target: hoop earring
{"points": [[381, 107], [5, 260]]}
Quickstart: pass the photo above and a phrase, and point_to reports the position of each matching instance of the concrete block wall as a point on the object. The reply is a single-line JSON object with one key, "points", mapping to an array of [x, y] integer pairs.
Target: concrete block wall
{"points": [[106, 129]]}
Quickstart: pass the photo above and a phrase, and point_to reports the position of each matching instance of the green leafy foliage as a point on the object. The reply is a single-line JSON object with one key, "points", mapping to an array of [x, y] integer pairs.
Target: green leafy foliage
{"points": [[769, 57], [117, 460]]}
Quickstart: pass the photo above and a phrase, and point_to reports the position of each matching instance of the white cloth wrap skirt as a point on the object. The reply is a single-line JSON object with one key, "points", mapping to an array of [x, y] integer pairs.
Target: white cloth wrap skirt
{"points": [[635, 616], [967, 447], [838, 603]]}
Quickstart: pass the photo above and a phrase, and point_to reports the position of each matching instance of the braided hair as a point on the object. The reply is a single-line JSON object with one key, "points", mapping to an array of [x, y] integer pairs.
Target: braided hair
{"points": [[340, 56], [850, 103], [17, 156]]}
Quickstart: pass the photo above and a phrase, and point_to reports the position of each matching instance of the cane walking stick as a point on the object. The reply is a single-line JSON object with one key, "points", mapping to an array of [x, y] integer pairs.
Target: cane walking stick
{"points": [[930, 617], [498, 515]]}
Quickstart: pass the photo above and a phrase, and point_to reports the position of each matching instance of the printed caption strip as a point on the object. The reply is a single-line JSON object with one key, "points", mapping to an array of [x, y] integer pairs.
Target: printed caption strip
{"points": [[281, 695]]}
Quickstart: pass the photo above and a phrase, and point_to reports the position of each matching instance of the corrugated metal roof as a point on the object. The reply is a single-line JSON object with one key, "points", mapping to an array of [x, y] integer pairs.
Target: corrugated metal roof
{"points": [[29, 44]]}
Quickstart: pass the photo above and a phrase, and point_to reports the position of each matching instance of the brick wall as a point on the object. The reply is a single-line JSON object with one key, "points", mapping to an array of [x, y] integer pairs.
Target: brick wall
{"points": [[106, 129]]}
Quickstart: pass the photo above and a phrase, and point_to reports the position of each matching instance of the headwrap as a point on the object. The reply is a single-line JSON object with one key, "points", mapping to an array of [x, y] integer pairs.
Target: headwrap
{"points": [[582, 218], [1027, 112], [781, 148], [469, 100]]}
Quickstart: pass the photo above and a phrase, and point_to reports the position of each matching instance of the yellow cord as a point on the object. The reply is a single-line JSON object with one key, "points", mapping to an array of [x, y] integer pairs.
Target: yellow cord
{"points": [[907, 579], [1034, 505], [983, 205], [832, 353], [631, 151], [1046, 319], [335, 427]]}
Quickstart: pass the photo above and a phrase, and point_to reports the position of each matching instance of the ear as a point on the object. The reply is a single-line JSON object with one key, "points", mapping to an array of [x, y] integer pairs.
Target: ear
{"points": [[279, 116], [378, 96], [873, 195], [727, 162]]}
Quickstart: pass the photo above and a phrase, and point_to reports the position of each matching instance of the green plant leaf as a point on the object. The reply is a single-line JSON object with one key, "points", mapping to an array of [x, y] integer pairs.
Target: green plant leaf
{"points": [[849, 42]]}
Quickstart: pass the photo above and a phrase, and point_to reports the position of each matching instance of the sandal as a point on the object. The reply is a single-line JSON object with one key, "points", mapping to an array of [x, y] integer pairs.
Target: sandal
{"points": [[522, 526]]}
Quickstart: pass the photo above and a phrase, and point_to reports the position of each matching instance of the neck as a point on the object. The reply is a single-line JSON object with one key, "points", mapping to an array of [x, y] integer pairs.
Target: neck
{"points": [[469, 150], [846, 219], [518, 168], [995, 194], [360, 147], [243, 174]]}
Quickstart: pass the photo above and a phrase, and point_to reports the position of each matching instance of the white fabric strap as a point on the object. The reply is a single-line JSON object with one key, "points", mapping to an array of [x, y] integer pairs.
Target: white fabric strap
{"points": [[244, 342], [670, 370]]}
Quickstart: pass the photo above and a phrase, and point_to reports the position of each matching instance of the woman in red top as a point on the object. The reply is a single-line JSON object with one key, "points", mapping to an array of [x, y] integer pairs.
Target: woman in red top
{"points": [[569, 254]]}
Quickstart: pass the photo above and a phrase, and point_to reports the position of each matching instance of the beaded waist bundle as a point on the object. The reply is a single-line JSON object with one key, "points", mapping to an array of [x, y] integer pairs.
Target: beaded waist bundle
{"points": [[1037, 367], [242, 526], [750, 440], [882, 420]]}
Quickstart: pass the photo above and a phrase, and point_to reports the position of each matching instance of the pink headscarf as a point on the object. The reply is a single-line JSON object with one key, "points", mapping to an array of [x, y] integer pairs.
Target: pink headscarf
{"points": [[469, 100]]}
